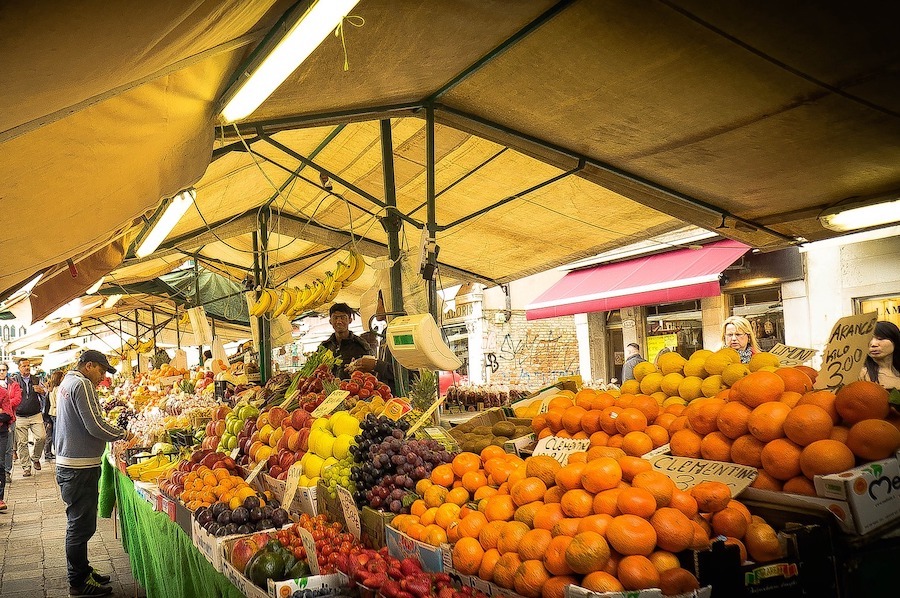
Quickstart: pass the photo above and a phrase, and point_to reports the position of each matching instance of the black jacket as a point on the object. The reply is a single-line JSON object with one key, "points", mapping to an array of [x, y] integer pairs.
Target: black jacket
{"points": [[32, 402], [353, 347]]}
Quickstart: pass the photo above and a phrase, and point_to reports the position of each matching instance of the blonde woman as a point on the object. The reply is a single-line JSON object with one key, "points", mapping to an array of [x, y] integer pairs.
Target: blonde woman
{"points": [[737, 334]]}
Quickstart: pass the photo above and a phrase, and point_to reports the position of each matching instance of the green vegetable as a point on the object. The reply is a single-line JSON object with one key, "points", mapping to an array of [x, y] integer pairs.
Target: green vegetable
{"points": [[300, 569], [269, 564]]}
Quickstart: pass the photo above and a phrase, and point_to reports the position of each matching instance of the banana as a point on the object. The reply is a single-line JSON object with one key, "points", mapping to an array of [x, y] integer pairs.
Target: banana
{"points": [[262, 304], [342, 271], [284, 302], [328, 283], [358, 270], [273, 299], [318, 293], [303, 296], [185, 320], [334, 291]]}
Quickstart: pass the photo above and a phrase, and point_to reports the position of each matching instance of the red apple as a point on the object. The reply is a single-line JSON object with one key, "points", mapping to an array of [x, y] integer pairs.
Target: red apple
{"points": [[303, 442], [275, 471], [276, 416]]}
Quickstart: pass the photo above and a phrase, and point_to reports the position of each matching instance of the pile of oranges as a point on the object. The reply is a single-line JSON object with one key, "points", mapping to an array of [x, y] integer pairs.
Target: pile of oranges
{"points": [[206, 486], [606, 521], [758, 414]]}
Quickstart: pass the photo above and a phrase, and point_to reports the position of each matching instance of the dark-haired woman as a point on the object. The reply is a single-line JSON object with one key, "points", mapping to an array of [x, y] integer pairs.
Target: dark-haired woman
{"points": [[883, 362]]}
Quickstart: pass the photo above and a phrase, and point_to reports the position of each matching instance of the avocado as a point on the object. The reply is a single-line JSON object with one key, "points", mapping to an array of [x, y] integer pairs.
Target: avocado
{"points": [[269, 564], [300, 569]]}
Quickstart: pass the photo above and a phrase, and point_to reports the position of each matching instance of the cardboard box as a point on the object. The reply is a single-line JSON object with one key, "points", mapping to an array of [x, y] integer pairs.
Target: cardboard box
{"points": [[374, 524], [183, 517], [516, 446], [331, 506], [434, 559], [304, 498], [275, 589], [579, 592], [837, 509], [872, 491], [147, 491], [209, 545]]}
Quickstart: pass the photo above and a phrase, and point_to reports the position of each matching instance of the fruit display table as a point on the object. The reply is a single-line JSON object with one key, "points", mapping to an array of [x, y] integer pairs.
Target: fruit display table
{"points": [[163, 559]]}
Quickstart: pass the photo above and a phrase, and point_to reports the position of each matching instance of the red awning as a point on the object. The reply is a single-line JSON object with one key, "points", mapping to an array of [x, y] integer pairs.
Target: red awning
{"points": [[679, 275]]}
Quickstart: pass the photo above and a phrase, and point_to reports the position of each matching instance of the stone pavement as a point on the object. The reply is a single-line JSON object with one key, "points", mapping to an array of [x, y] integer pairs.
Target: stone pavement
{"points": [[32, 542]]}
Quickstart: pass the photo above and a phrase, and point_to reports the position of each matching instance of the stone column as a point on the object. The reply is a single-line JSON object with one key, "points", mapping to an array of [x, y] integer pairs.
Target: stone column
{"points": [[634, 327], [714, 310], [596, 325]]}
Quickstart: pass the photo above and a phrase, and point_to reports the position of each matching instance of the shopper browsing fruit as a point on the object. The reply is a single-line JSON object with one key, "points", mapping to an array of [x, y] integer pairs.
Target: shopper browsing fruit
{"points": [[737, 334], [10, 395], [882, 365], [80, 440], [633, 353]]}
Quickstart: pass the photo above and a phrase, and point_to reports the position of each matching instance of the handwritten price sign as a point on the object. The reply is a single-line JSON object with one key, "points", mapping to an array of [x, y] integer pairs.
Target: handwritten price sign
{"points": [[847, 347], [351, 513], [309, 545], [561, 448]]}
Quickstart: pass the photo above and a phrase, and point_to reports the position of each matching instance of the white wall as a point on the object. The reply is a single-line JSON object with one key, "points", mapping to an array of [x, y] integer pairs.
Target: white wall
{"points": [[522, 291]]}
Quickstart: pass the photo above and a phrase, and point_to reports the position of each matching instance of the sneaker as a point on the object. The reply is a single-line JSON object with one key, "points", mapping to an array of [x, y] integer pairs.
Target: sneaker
{"points": [[26, 473], [3, 506], [8, 478], [90, 588], [37, 465], [100, 578]]}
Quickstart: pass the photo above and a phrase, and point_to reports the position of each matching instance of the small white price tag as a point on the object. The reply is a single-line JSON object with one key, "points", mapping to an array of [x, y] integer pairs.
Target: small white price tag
{"points": [[331, 402], [290, 485], [351, 513], [309, 545], [255, 472], [235, 452]]}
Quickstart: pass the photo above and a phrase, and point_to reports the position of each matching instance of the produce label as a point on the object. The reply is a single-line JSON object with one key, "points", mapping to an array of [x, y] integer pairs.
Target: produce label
{"points": [[440, 435], [687, 472], [255, 472], [351, 513], [561, 448], [291, 483], [848, 345], [309, 545], [235, 452], [791, 356], [425, 417], [331, 402], [395, 409]]}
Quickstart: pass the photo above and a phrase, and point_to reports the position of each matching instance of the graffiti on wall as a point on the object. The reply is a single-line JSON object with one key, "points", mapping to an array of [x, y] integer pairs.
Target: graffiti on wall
{"points": [[538, 357]]}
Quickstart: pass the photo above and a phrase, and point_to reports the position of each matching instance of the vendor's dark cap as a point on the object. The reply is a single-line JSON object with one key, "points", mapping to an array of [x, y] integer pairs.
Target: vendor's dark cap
{"points": [[343, 308], [91, 356]]}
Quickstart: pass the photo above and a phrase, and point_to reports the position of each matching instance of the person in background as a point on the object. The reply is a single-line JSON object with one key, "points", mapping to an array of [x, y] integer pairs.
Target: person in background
{"points": [[10, 395], [80, 441], [29, 418], [737, 334], [632, 358], [354, 352], [207, 360], [882, 365], [50, 412]]}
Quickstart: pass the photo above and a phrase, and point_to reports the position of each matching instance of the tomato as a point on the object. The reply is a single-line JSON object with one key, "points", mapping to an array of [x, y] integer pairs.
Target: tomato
{"points": [[326, 550], [368, 384], [298, 553], [318, 534], [345, 548], [295, 541]]}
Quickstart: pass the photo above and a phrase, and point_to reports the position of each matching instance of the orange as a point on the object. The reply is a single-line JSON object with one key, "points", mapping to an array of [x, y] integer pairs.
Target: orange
{"points": [[571, 419], [530, 578], [567, 526], [659, 485], [608, 419], [657, 434], [417, 508], [543, 468], [684, 502], [458, 496], [499, 507], [511, 537], [747, 450], [840, 433], [674, 531], [762, 543], [471, 525], [595, 523], [484, 492], [862, 400], [534, 544], [781, 459], [467, 555], [556, 586], [569, 477], [505, 570], [488, 562], [795, 380], [427, 518], [554, 494], [443, 475], [599, 439], [766, 422], [630, 420], [636, 572], [711, 496], [590, 423], [547, 516], [677, 581], [554, 420], [716, 447], [789, 398], [601, 582], [637, 443], [764, 481], [730, 522], [685, 443], [799, 485], [555, 557], [758, 388], [465, 462], [601, 474], [873, 439], [664, 560], [607, 502], [647, 405], [702, 415], [527, 490], [631, 466], [490, 534], [526, 513], [492, 451], [559, 402], [615, 441], [824, 399], [807, 423], [473, 480], [435, 496], [587, 552], [434, 535], [446, 514], [630, 534], [577, 503], [585, 397]]}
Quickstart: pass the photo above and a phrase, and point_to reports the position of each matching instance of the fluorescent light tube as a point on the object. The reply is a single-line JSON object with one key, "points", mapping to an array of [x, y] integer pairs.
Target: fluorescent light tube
{"points": [[111, 301], [854, 217], [96, 286], [295, 47], [172, 214], [74, 330]]}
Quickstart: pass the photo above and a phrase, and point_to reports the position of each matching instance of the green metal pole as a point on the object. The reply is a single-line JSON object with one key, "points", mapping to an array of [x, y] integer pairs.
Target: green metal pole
{"points": [[392, 225], [265, 341], [431, 207]]}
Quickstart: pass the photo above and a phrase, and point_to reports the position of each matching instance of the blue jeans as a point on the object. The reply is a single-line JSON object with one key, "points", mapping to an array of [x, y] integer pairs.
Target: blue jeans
{"points": [[10, 448], [80, 492]]}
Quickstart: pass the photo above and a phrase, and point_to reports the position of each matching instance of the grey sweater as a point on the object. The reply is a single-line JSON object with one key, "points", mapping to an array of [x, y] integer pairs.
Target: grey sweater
{"points": [[81, 432]]}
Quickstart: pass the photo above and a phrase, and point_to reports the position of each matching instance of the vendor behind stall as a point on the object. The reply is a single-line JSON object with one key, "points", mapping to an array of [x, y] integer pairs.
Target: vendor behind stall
{"points": [[354, 352]]}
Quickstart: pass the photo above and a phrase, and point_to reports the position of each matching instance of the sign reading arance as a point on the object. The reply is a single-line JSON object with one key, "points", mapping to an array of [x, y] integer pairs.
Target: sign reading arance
{"points": [[848, 345]]}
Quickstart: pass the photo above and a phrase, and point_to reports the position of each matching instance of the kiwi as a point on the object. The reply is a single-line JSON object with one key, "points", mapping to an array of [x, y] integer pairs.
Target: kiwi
{"points": [[483, 431], [499, 440], [522, 431], [503, 428], [480, 445]]}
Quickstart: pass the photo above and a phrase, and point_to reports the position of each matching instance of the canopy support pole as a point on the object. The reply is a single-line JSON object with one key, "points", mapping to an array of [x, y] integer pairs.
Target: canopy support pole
{"points": [[137, 338], [177, 328], [197, 301], [153, 324], [392, 224], [430, 265], [261, 263]]}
